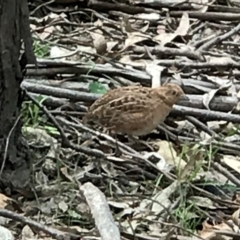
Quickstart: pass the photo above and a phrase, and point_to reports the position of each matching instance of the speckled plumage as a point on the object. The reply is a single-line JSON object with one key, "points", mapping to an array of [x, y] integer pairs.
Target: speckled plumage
{"points": [[134, 110]]}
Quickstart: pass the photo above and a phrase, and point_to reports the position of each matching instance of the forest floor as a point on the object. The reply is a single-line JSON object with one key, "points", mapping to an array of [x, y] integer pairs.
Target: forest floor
{"points": [[186, 185]]}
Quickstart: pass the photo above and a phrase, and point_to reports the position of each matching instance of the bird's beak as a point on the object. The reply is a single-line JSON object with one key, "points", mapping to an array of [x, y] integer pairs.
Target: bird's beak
{"points": [[184, 97]]}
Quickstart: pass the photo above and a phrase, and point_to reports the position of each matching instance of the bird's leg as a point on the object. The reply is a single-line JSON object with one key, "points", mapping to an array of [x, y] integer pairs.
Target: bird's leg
{"points": [[132, 139], [114, 136], [117, 151], [139, 142]]}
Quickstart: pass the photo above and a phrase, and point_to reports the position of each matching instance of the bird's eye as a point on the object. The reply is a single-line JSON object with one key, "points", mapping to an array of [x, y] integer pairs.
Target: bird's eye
{"points": [[174, 92]]}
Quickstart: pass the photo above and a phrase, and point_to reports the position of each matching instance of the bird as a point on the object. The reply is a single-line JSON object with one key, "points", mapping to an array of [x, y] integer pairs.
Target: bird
{"points": [[134, 110]]}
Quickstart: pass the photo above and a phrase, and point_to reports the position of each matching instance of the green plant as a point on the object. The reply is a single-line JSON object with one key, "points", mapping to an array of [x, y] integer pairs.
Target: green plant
{"points": [[197, 156], [41, 50], [32, 116], [188, 215], [31, 112], [97, 87]]}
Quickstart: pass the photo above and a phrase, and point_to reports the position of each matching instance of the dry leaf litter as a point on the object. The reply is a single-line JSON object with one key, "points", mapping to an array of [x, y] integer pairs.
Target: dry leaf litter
{"points": [[179, 181]]}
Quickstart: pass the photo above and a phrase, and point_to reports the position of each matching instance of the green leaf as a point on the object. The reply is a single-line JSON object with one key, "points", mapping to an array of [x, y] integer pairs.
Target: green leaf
{"points": [[52, 130], [96, 87], [41, 49]]}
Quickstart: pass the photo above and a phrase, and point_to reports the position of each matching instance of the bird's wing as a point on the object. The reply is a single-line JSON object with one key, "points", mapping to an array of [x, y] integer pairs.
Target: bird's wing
{"points": [[111, 95], [122, 109]]}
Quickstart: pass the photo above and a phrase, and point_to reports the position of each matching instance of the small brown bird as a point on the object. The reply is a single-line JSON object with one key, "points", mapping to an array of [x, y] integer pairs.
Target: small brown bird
{"points": [[134, 110]]}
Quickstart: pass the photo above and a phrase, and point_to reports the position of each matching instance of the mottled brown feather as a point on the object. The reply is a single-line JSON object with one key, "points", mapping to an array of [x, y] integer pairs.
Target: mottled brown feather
{"points": [[134, 110]]}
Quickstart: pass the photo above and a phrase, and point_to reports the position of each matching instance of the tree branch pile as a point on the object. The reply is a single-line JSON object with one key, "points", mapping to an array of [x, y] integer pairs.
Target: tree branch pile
{"points": [[94, 46]]}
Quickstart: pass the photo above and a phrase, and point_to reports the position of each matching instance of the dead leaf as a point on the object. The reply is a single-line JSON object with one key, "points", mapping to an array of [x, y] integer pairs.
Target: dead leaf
{"points": [[9, 204], [223, 61], [40, 137], [232, 161], [200, 5], [126, 59], [99, 43], [219, 82], [27, 233], [161, 199], [232, 91], [161, 29], [6, 234], [111, 45], [208, 97], [4, 201], [182, 30], [208, 231], [167, 151], [161, 162], [133, 38], [148, 16], [98, 23], [119, 204], [144, 28], [203, 202], [58, 52], [63, 206], [155, 71], [46, 33], [184, 25], [235, 217], [126, 25]]}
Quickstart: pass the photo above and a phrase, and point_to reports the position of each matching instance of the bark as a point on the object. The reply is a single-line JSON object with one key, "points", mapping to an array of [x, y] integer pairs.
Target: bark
{"points": [[14, 35]]}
